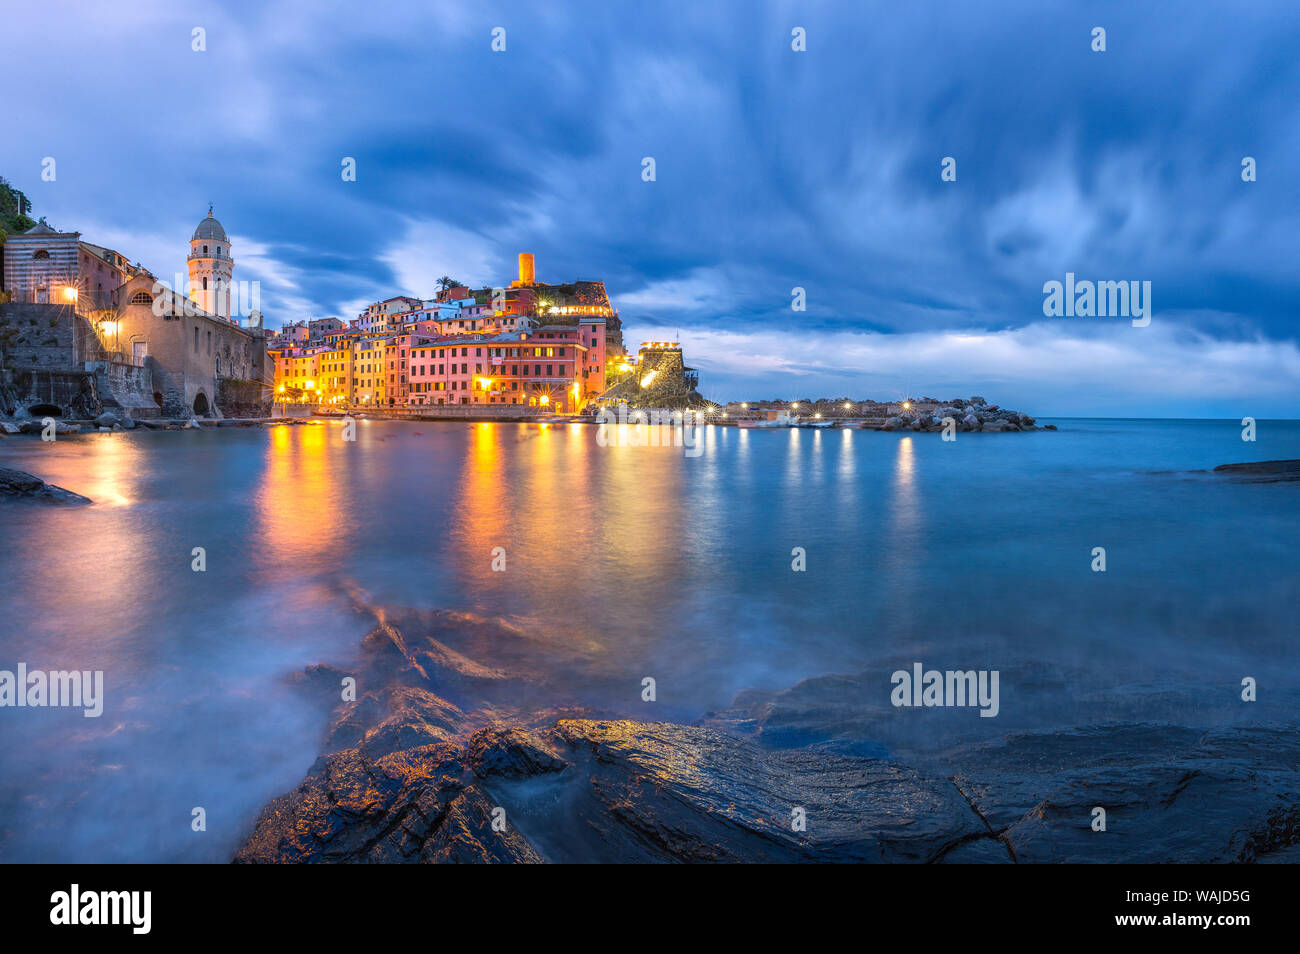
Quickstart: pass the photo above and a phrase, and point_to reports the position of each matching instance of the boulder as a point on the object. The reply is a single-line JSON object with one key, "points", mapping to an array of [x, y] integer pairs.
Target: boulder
{"points": [[20, 484], [107, 420], [37, 426]]}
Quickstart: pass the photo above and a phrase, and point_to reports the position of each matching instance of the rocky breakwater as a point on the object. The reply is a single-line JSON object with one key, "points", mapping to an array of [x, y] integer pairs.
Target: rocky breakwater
{"points": [[442, 758], [974, 414]]}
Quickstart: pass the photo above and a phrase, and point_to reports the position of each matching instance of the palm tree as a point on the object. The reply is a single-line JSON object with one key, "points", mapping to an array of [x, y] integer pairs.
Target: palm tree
{"points": [[447, 282]]}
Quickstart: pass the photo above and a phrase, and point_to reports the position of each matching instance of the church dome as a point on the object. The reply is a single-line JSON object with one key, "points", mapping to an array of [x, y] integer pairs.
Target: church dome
{"points": [[211, 229]]}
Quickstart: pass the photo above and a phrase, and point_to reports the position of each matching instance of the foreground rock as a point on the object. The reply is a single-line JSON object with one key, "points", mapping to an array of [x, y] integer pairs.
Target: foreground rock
{"points": [[610, 791], [17, 484], [430, 765], [1264, 471], [1170, 793]]}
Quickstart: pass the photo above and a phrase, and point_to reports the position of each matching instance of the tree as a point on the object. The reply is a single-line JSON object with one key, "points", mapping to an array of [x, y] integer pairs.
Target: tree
{"points": [[447, 282], [14, 207]]}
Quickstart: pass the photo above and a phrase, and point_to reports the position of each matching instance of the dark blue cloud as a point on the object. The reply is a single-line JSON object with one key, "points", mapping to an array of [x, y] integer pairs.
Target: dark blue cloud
{"points": [[775, 169]]}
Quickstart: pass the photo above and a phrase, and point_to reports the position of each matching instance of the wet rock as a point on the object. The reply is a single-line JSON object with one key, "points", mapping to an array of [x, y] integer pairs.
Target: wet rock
{"points": [[1171, 794], [1264, 471], [107, 420], [17, 484], [465, 835], [662, 792], [414, 717], [412, 776], [353, 809], [511, 753], [37, 426]]}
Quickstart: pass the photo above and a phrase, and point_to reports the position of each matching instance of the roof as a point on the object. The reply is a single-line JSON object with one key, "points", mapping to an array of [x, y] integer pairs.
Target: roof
{"points": [[211, 229]]}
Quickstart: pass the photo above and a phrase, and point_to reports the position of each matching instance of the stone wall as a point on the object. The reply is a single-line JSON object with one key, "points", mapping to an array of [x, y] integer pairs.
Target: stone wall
{"points": [[243, 398], [52, 337], [133, 390], [56, 393]]}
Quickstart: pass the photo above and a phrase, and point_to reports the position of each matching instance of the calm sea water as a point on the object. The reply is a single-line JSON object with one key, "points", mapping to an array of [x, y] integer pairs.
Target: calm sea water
{"points": [[633, 561]]}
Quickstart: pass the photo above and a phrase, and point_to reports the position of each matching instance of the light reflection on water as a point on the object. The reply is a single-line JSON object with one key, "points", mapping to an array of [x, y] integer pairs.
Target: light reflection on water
{"points": [[626, 560]]}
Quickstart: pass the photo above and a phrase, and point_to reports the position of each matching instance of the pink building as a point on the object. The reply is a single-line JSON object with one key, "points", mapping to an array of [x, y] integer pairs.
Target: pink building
{"points": [[552, 366]]}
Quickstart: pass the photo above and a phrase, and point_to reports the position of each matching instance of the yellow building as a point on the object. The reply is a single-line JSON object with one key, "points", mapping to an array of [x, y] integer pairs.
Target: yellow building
{"points": [[296, 377], [334, 376]]}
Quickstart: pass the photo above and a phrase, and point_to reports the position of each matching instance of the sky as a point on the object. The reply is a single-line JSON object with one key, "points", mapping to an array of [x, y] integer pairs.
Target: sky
{"points": [[774, 169]]}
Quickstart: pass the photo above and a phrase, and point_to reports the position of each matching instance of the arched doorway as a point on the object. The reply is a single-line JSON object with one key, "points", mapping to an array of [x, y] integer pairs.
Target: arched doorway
{"points": [[45, 410], [201, 405]]}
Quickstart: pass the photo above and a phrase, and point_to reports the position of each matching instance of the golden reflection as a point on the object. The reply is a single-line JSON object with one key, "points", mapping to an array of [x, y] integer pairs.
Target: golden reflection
{"points": [[88, 561], [848, 469], [111, 469], [483, 520], [794, 471], [297, 502], [904, 465], [905, 521]]}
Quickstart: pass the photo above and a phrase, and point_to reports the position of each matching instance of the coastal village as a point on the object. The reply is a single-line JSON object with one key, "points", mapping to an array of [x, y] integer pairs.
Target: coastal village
{"points": [[85, 332], [89, 338]]}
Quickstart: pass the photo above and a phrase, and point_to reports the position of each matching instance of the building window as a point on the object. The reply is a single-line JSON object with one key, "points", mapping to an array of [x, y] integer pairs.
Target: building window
{"points": [[41, 253]]}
